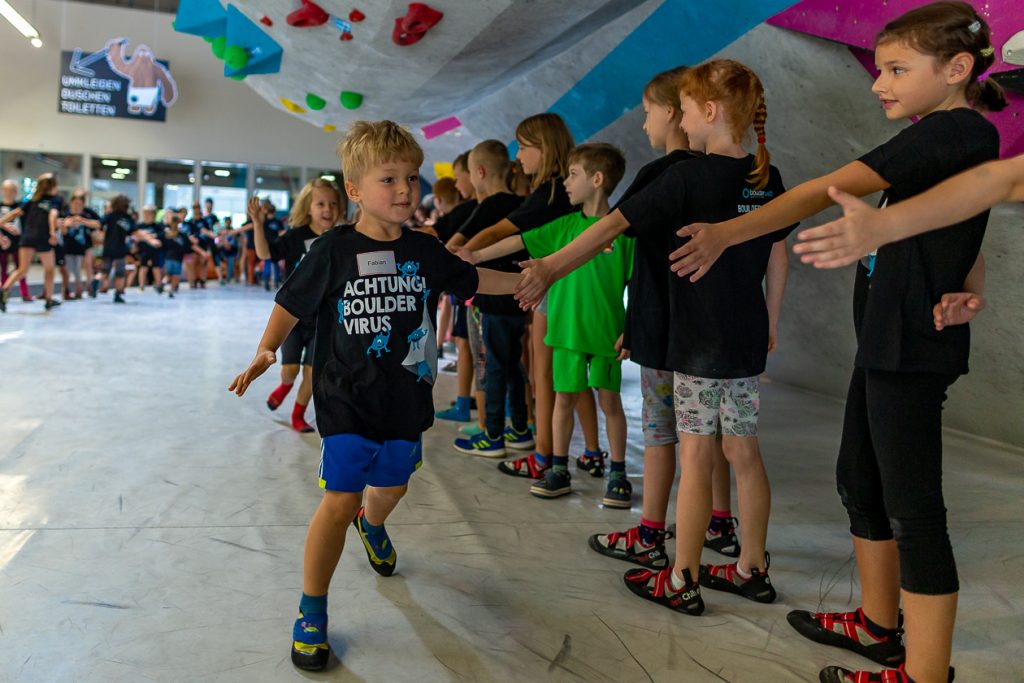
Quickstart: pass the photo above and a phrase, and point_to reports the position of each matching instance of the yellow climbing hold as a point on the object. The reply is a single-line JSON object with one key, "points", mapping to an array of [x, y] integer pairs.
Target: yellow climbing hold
{"points": [[291, 106], [443, 169], [330, 128]]}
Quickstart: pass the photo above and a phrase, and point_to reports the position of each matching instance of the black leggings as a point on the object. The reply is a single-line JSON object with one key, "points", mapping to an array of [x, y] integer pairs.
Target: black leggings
{"points": [[889, 473]]}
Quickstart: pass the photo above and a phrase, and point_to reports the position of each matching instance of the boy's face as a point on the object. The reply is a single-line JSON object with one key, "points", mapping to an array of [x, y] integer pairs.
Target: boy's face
{"points": [[579, 186], [10, 193], [148, 216], [477, 174], [388, 192], [463, 183]]}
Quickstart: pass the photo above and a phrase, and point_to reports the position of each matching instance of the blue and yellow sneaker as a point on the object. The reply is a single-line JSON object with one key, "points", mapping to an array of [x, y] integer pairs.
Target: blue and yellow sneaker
{"points": [[310, 650], [481, 444], [379, 549], [519, 441]]}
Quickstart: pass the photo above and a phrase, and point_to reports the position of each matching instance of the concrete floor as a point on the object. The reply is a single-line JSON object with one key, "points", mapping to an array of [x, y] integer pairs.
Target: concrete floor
{"points": [[151, 527]]}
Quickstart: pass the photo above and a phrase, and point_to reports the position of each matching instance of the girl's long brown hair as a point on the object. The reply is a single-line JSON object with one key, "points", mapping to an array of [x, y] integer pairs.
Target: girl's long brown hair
{"points": [[548, 132], [46, 185]]}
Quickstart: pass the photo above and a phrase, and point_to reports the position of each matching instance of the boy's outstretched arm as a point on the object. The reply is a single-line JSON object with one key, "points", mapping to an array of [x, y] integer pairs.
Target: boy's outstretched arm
{"points": [[495, 282], [280, 324], [864, 228], [509, 245]]}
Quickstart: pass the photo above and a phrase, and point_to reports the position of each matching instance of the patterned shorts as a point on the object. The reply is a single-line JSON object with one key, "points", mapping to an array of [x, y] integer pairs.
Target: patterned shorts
{"points": [[717, 406], [659, 419]]}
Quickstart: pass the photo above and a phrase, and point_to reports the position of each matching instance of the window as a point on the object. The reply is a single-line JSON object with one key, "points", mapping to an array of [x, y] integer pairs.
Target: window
{"points": [[279, 184], [111, 176], [224, 184], [170, 183], [24, 167]]}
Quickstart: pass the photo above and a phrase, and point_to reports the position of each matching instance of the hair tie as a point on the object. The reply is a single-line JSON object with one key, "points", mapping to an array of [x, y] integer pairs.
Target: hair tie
{"points": [[760, 139], [975, 26], [987, 51], [983, 77]]}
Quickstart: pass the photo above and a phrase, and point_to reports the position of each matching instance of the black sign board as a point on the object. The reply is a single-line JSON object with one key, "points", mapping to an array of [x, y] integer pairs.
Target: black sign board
{"points": [[114, 84]]}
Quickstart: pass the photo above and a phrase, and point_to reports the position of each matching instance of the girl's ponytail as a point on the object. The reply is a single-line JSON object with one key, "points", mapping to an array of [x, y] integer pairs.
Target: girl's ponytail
{"points": [[762, 161], [987, 94]]}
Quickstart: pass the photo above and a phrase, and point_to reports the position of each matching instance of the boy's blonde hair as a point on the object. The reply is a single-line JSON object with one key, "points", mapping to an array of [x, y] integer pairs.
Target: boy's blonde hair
{"points": [[600, 156], [492, 155], [300, 215], [376, 142]]}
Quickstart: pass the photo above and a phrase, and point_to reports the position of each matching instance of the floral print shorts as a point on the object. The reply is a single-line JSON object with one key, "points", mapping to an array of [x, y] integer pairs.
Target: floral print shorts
{"points": [[716, 406]]}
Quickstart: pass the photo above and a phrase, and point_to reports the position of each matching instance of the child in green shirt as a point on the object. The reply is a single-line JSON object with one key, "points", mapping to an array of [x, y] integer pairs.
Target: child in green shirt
{"points": [[586, 317]]}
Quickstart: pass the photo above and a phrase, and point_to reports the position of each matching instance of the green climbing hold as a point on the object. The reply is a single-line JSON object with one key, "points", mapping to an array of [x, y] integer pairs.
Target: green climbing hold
{"points": [[237, 77], [218, 45], [236, 57], [351, 100], [315, 103]]}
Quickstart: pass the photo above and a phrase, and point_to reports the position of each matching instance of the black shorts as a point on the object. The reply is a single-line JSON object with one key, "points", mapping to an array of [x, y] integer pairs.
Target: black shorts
{"points": [[460, 318], [298, 346], [39, 243]]}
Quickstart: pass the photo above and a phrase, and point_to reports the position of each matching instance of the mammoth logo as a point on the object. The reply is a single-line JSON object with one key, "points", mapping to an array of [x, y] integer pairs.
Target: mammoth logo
{"points": [[149, 82]]}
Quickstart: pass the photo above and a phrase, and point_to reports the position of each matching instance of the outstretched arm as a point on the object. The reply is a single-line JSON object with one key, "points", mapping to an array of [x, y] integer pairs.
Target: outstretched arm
{"points": [[260, 243], [864, 229], [806, 199], [280, 324], [10, 216], [489, 236], [509, 245], [495, 282], [539, 274]]}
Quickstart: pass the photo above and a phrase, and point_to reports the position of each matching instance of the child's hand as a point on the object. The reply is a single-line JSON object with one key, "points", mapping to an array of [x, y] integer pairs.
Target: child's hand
{"points": [[53, 239], [255, 210], [5, 242], [263, 360], [466, 255], [843, 241], [537, 278], [702, 250], [957, 309], [623, 353], [773, 338]]}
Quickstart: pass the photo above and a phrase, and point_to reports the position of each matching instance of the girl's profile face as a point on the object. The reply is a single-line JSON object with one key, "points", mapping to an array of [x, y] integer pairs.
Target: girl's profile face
{"points": [[657, 122], [694, 123], [911, 83], [530, 157]]}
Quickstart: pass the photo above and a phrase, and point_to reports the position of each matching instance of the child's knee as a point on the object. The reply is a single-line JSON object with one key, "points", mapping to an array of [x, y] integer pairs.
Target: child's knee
{"points": [[611, 402], [741, 452], [394, 493], [342, 506]]}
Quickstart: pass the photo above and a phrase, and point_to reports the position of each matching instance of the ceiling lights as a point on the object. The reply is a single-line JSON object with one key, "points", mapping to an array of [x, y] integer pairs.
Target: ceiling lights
{"points": [[19, 22]]}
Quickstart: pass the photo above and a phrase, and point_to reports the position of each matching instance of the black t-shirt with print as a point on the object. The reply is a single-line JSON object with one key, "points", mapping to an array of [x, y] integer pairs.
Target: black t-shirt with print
{"points": [[647, 308], [35, 219], [375, 356], [155, 229], [78, 237], [175, 247], [15, 239], [543, 205], [117, 228], [893, 307], [291, 247], [490, 211], [718, 326], [449, 224]]}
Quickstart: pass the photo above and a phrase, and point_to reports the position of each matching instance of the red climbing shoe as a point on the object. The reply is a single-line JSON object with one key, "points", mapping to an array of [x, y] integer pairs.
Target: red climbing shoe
{"points": [[307, 16]]}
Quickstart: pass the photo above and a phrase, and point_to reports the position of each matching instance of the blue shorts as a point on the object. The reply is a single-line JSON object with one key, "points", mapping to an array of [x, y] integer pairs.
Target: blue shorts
{"points": [[173, 267], [349, 462]]}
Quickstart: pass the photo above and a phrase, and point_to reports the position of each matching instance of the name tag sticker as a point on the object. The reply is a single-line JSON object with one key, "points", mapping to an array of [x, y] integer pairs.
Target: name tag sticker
{"points": [[376, 263]]}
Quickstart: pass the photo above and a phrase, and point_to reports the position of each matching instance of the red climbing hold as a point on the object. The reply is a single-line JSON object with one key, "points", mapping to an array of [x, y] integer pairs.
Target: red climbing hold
{"points": [[414, 25], [307, 16], [266, 21], [345, 36], [356, 16]]}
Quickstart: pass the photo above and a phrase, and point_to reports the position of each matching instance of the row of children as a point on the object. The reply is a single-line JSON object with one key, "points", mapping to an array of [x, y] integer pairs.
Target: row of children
{"points": [[701, 341]]}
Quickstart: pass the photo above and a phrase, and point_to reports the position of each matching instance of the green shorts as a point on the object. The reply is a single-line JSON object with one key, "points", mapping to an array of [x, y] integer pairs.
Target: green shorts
{"points": [[574, 371]]}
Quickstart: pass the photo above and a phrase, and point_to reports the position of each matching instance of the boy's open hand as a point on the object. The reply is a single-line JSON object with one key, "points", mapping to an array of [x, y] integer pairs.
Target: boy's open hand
{"points": [[700, 252], [841, 242], [957, 309], [537, 278], [263, 360]]}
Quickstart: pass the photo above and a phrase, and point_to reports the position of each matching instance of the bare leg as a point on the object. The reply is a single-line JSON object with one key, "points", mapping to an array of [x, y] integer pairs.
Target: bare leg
{"points": [[659, 475], [879, 565], [381, 501], [693, 500], [721, 484], [305, 392], [464, 367], [586, 410], [444, 321], [143, 272], [928, 632], [614, 422], [755, 498], [289, 373], [562, 422], [48, 261], [543, 390], [25, 256], [326, 539]]}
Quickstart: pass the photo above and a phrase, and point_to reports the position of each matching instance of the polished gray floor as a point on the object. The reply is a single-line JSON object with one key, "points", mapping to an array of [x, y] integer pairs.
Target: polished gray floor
{"points": [[151, 527]]}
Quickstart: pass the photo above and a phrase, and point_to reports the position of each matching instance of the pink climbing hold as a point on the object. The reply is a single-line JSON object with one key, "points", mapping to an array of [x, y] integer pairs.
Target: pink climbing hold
{"points": [[356, 16], [308, 16], [411, 28], [439, 128]]}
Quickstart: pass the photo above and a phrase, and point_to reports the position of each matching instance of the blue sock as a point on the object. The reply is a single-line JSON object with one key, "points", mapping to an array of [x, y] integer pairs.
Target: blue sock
{"points": [[313, 604], [371, 529], [617, 470], [542, 460], [874, 629], [462, 404], [593, 454], [560, 463]]}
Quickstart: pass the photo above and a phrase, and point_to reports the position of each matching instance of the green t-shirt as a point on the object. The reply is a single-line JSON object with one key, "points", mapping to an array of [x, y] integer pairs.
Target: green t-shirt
{"points": [[585, 309]]}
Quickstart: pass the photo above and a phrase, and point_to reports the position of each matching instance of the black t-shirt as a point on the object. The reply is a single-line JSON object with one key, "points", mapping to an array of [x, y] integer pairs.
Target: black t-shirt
{"points": [[718, 325], [35, 220], [175, 247], [15, 239], [155, 229], [292, 246], [78, 237], [228, 245], [487, 213], [117, 228], [647, 308], [893, 307], [376, 349], [541, 207], [272, 228], [449, 224]]}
